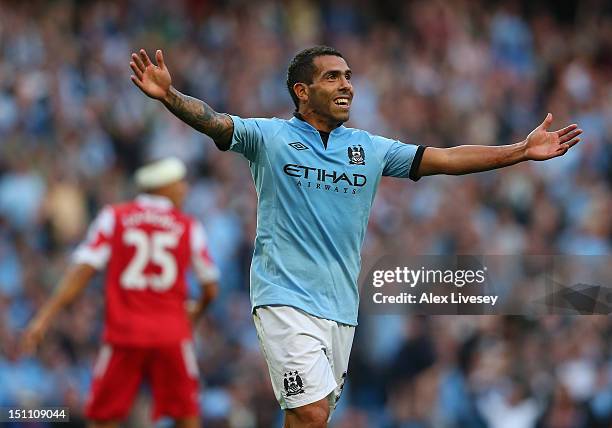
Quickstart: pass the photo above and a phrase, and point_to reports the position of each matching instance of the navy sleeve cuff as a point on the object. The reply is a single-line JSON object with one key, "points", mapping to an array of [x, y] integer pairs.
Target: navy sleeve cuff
{"points": [[414, 168]]}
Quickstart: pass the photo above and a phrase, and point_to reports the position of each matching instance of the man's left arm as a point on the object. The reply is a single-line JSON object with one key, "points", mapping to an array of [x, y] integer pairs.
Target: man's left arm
{"points": [[204, 269], [196, 308], [540, 144]]}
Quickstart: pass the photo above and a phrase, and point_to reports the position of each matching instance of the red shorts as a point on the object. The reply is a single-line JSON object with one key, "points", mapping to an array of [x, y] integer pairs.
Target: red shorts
{"points": [[171, 372]]}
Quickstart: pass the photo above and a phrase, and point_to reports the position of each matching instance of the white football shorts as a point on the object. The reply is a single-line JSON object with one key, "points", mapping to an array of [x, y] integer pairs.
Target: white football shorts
{"points": [[307, 356]]}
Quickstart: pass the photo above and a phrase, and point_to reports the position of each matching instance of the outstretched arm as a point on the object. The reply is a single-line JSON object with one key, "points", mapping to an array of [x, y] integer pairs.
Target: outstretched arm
{"points": [[69, 288], [155, 81], [540, 144]]}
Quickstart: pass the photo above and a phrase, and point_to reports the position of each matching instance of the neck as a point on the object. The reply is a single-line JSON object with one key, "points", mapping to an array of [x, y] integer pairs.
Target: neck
{"points": [[317, 121], [167, 195]]}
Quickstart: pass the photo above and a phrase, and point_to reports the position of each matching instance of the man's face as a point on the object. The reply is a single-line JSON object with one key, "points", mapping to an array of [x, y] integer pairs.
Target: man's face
{"points": [[331, 92]]}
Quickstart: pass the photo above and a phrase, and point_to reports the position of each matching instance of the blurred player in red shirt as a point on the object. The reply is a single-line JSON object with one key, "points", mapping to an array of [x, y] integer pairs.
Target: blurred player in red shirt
{"points": [[145, 246]]}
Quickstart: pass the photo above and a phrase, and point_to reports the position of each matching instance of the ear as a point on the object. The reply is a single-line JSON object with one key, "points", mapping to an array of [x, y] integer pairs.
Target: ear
{"points": [[301, 90]]}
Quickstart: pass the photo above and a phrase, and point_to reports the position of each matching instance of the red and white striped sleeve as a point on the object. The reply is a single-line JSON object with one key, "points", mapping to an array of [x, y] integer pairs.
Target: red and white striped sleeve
{"points": [[95, 250], [202, 264]]}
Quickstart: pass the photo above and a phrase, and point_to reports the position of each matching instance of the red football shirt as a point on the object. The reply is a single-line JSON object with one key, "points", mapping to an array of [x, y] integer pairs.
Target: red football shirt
{"points": [[146, 247]]}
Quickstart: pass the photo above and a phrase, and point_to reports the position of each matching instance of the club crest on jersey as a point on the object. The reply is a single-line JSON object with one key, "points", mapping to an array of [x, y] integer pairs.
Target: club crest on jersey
{"points": [[293, 384], [356, 155]]}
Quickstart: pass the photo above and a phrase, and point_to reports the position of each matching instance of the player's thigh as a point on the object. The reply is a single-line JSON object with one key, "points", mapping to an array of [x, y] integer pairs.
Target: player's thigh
{"points": [[313, 415], [111, 424], [190, 422], [173, 375], [294, 346], [117, 375], [342, 342]]}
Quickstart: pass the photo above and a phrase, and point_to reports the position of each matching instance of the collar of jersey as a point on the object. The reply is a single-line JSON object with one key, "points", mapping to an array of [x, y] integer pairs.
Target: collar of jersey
{"points": [[154, 201], [302, 124]]}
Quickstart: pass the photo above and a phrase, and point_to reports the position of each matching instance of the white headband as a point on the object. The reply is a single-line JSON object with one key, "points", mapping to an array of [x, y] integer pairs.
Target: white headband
{"points": [[160, 173]]}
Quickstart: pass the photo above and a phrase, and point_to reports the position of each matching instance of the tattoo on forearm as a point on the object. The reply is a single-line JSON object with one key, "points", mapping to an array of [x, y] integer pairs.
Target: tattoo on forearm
{"points": [[201, 116]]}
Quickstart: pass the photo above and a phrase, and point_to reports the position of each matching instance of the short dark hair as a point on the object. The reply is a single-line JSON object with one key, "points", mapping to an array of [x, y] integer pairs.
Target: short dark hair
{"points": [[302, 68]]}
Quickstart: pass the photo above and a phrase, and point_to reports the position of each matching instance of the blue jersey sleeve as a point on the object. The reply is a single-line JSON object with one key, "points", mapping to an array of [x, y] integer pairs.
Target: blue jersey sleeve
{"points": [[399, 159], [247, 138]]}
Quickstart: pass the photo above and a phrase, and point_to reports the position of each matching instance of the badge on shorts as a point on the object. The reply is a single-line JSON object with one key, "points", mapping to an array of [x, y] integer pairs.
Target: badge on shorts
{"points": [[293, 384]]}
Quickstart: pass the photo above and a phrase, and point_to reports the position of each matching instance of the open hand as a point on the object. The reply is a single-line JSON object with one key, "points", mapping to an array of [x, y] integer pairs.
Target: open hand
{"points": [[542, 144], [153, 80]]}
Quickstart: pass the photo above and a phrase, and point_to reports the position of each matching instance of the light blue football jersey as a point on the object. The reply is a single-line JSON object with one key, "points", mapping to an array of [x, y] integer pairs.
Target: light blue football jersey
{"points": [[313, 209]]}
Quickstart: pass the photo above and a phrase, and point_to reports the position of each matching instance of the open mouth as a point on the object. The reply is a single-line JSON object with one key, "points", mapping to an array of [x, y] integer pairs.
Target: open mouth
{"points": [[342, 102]]}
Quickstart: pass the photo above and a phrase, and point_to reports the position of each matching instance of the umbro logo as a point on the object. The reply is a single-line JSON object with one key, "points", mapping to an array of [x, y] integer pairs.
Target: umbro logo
{"points": [[298, 146]]}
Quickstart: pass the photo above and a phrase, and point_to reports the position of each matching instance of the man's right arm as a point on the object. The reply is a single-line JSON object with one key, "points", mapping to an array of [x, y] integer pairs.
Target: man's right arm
{"points": [[92, 255], [69, 288], [155, 81], [200, 116]]}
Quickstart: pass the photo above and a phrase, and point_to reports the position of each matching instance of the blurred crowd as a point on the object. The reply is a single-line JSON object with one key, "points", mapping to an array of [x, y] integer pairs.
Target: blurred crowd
{"points": [[438, 73]]}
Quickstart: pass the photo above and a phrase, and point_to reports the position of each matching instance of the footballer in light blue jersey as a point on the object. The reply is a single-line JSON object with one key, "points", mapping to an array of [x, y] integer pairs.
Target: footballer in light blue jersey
{"points": [[316, 181], [314, 201]]}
